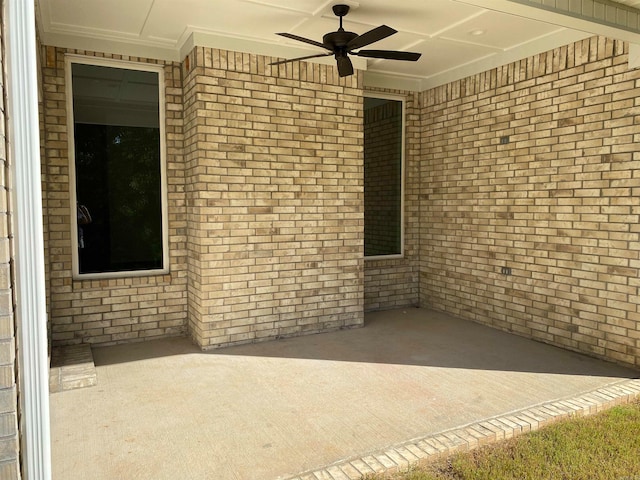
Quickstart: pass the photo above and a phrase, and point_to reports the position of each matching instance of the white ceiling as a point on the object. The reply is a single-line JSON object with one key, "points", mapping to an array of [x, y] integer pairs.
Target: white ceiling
{"points": [[456, 37]]}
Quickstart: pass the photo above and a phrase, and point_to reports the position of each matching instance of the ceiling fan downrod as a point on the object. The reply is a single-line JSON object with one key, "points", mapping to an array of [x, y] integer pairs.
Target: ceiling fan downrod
{"points": [[340, 11]]}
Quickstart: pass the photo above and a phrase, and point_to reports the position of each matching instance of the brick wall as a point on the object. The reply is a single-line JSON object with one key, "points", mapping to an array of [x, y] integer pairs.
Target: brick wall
{"points": [[265, 183], [266, 223], [559, 203], [9, 435], [117, 309], [393, 283], [274, 181]]}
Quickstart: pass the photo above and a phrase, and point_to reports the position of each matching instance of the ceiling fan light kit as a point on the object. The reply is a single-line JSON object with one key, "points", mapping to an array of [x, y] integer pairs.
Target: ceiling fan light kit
{"points": [[341, 44]]}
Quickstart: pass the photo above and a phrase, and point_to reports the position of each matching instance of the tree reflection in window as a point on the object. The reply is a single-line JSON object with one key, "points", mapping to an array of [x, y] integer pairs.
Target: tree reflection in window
{"points": [[118, 179]]}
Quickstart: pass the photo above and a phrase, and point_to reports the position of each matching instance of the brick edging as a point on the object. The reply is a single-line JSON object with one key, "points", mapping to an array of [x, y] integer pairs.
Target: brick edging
{"points": [[422, 450]]}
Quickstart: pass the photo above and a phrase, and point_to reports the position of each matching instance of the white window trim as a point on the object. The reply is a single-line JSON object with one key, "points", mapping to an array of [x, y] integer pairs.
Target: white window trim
{"points": [[403, 100], [146, 67]]}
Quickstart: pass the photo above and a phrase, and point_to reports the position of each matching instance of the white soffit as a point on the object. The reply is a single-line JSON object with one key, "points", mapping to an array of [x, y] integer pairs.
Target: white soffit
{"points": [[619, 20], [457, 38]]}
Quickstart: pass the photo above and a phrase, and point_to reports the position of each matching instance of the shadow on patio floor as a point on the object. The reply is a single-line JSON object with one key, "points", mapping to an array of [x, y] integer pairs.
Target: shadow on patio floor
{"points": [[165, 410], [409, 336]]}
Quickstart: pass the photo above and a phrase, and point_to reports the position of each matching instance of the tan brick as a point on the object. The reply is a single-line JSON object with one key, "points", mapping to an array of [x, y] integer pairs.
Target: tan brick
{"points": [[574, 256], [114, 299]]}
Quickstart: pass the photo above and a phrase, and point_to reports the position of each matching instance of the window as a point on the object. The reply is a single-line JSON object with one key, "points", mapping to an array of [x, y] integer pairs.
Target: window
{"points": [[383, 177], [117, 168]]}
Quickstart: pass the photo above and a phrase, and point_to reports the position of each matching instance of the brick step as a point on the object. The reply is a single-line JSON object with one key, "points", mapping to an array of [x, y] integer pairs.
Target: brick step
{"points": [[72, 367]]}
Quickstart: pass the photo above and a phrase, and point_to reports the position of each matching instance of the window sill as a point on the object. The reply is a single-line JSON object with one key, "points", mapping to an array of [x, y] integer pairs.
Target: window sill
{"points": [[384, 257], [79, 277]]}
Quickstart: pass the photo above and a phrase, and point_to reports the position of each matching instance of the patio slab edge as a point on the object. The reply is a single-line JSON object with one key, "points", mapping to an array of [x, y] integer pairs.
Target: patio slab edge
{"points": [[423, 450]]}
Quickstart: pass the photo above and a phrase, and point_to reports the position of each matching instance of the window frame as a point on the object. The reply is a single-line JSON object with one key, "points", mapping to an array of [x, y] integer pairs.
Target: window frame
{"points": [[71, 59], [403, 101]]}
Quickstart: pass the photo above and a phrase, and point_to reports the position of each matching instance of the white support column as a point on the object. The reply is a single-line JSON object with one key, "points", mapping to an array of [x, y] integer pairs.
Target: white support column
{"points": [[634, 55], [24, 139]]}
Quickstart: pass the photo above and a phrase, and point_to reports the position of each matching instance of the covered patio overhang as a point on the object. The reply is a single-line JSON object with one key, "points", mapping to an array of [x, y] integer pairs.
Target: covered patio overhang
{"points": [[411, 384], [33, 345]]}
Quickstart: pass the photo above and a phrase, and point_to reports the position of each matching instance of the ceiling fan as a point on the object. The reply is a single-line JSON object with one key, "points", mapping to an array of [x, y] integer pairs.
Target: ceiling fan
{"points": [[341, 44]]}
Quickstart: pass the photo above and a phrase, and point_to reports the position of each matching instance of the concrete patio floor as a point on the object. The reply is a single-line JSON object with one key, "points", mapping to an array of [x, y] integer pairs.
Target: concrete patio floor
{"points": [[165, 410]]}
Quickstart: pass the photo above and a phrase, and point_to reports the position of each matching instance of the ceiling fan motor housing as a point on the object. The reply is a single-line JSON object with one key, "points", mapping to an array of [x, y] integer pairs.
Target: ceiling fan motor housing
{"points": [[338, 40]]}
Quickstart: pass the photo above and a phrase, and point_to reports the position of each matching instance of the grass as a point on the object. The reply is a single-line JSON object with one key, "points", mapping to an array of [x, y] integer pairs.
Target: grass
{"points": [[605, 446]]}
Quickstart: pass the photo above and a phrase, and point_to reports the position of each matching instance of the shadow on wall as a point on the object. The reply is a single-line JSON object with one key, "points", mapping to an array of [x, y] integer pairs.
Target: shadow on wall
{"points": [[412, 336]]}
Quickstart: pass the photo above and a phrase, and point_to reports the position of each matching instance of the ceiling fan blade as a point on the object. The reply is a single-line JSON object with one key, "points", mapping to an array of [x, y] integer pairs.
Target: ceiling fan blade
{"points": [[371, 36], [279, 62], [389, 55], [345, 67], [302, 39]]}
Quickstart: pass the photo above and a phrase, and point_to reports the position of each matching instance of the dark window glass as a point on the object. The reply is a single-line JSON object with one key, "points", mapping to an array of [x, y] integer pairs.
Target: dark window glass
{"points": [[382, 177], [117, 169]]}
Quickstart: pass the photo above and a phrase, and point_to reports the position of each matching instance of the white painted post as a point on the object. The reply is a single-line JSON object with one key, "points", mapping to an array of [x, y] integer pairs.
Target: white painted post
{"points": [[24, 140]]}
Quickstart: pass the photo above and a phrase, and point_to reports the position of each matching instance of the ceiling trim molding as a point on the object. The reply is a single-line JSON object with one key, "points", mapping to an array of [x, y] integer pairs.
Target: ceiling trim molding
{"points": [[197, 38], [549, 42], [391, 81], [371, 79], [127, 48]]}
